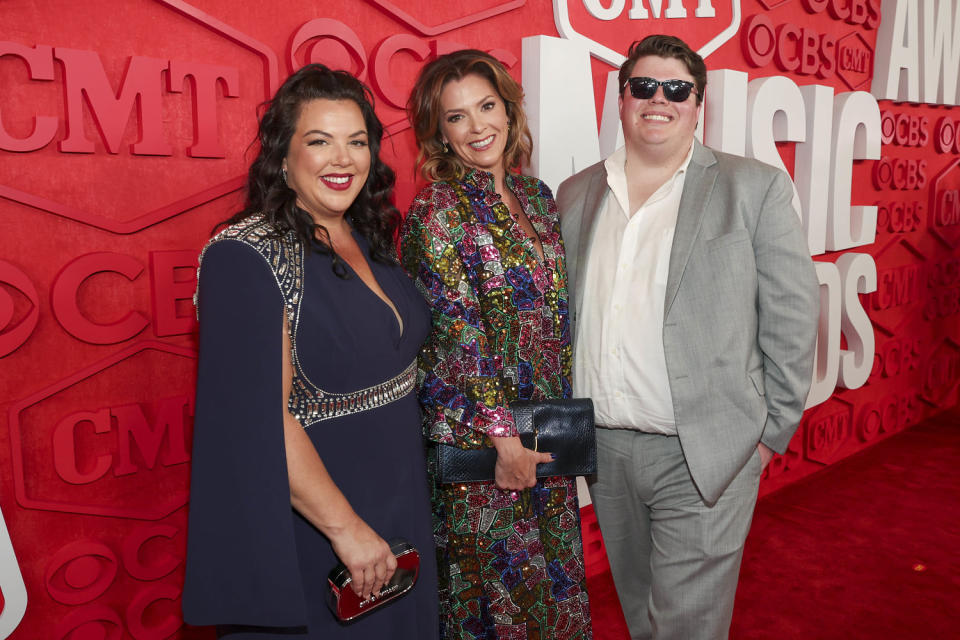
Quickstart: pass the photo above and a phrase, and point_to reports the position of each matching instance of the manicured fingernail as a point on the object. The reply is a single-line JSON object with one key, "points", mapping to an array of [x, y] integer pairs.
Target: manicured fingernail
{"points": [[553, 456]]}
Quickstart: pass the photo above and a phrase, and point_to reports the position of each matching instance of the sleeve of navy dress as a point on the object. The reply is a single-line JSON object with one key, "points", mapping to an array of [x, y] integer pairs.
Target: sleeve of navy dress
{"points": [[241, 555]]}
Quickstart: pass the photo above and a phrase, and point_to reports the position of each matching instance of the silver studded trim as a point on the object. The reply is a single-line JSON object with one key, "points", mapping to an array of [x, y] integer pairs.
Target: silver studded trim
{"points": [[308, 403]]}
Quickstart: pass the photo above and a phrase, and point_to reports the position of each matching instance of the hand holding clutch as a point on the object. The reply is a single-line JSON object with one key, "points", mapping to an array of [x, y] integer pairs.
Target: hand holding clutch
{"points": [[563, 427], [516, 466], [347, 605]]}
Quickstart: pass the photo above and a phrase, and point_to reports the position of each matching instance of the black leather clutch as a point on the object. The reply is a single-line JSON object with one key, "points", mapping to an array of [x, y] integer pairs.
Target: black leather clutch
{"points": [[561, 427]]}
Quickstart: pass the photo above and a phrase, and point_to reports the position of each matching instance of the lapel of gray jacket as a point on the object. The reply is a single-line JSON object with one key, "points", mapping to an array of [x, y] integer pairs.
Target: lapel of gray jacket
{"points": [[592, 201], [694, 202]]}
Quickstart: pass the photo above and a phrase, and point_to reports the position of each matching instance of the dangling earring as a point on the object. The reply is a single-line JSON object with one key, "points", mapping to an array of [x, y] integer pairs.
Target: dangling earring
{"points": [[283, 172], [446, 147]]}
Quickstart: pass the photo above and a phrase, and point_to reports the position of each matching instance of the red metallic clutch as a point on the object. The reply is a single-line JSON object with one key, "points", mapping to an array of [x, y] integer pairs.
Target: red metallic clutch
{"points": [[347, 605]]}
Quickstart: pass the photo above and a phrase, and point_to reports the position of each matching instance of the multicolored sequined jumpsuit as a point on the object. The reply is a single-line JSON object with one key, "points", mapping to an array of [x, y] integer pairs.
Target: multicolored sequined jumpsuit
{"points": [[510, 563]]}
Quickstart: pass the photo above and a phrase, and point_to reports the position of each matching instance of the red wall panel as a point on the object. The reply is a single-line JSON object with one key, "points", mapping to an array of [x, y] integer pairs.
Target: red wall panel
{"points": [[125, 128]]}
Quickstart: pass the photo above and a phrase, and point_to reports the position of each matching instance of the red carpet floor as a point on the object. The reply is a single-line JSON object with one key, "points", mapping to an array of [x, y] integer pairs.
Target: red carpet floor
{"points": [[868, 548]]}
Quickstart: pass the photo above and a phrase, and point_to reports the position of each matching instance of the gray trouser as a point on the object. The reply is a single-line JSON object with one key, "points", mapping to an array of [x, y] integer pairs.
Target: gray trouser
{"points": [[675, 561]]}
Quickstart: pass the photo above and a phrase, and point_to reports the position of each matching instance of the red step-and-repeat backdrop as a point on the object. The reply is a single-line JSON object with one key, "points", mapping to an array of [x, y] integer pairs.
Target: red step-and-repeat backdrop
{"points": [[125, 131]]}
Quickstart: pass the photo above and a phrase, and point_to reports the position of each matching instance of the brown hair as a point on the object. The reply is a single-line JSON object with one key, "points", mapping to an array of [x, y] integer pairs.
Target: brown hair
{"points": [[424, 111], [665, 46]]}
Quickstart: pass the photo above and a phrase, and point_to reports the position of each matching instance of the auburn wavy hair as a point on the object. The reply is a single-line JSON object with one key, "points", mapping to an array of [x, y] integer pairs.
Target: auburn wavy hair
{"points": [[424, 110]]}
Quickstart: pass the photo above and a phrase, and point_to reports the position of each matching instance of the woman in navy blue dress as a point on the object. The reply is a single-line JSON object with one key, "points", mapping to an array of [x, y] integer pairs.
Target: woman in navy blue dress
{"points": [[307, 448]]}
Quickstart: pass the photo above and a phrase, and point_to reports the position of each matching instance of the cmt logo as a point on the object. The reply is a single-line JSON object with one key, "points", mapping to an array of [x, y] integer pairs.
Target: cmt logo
{"points": [[901, 286], [827, 431], [947, 213], [81, 93], [705, 24], [897, 287], [942, 373], [854, 61], [945, 205], [102, 459], [85, 83], [132, 430]]}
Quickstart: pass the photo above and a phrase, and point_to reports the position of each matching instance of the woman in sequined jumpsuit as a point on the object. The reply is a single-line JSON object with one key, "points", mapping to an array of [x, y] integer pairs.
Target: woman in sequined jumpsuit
{"points": [[483, 245]]}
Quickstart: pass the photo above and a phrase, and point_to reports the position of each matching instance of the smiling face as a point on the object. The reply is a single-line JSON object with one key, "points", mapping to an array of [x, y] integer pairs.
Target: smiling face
{"points": [[328, 160], [656, 124], [474, 122]]}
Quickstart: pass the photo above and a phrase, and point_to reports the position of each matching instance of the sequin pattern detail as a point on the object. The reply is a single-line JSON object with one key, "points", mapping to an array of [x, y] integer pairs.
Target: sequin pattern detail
{"points": [[510, 563], [308, 403]]}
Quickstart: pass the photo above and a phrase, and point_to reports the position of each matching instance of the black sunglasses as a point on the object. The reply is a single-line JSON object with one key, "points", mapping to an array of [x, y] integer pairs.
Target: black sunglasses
{"points": [[643, 88]]}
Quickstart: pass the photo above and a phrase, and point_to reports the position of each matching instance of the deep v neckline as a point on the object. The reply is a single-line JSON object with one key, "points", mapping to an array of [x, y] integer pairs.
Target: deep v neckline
{"points": [[529, 242], [385, 300], [520, 236]]}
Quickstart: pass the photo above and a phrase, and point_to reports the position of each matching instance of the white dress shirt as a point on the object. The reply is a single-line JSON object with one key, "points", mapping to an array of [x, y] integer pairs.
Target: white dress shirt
{"points": [[619, 360]]}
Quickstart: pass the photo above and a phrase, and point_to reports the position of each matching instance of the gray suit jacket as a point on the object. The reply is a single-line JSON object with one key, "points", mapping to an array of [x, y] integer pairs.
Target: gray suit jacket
{"points": [[741, 309]]}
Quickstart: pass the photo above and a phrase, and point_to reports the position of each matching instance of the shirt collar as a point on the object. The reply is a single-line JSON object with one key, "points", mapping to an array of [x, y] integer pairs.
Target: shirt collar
{"points": [[615, 165]]}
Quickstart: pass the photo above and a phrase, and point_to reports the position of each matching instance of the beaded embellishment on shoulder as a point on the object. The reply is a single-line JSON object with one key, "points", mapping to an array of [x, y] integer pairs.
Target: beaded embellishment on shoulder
{"points": [[284, 255]]}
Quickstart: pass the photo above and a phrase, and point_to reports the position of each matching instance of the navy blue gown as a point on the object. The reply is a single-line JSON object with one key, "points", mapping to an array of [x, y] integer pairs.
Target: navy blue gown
{"points": [[255, 567]]}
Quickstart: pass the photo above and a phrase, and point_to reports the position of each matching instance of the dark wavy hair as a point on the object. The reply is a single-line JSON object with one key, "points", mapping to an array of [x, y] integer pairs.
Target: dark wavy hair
{"points": [[372, 213], [424, 111]]}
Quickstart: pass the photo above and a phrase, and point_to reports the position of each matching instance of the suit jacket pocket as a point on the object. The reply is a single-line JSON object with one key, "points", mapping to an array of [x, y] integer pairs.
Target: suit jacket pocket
{"points": [[728, 239]]}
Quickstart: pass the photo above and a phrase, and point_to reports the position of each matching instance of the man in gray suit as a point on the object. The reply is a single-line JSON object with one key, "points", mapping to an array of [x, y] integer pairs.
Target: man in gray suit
{"points": [[695, 321]]}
